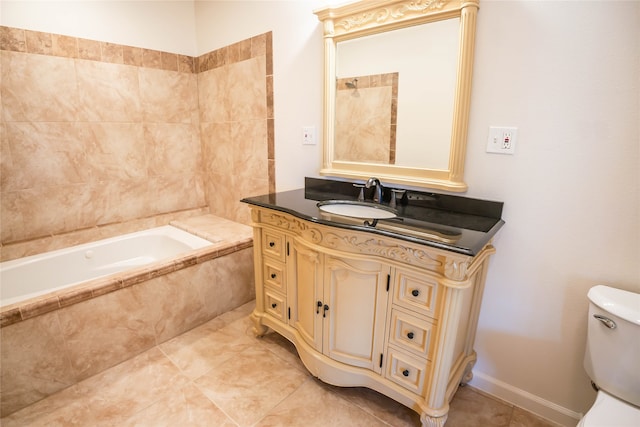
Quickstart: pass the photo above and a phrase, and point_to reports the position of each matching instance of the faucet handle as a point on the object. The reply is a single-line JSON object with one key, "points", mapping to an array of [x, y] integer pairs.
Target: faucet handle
{"points": [[361, 194], [395, 193]]}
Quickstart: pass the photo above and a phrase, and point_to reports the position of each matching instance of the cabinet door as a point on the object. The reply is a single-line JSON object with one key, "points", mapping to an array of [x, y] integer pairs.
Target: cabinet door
{"points": [[356, 292], [307, 309]]}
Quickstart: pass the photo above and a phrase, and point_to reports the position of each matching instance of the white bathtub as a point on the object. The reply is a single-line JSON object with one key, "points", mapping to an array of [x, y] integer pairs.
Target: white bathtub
{"points": [[41, 274]]}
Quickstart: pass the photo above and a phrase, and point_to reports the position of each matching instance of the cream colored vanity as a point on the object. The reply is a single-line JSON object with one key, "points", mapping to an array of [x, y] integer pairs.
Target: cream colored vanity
{"points": [[369, 310]]}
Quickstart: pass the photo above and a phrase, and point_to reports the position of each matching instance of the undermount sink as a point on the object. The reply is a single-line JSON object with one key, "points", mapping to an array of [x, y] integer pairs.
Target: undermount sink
{"points": [[355, 209]]}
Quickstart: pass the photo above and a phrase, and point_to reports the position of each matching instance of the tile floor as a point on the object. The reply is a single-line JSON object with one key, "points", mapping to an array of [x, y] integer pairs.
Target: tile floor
{"points": [[220, 375]]}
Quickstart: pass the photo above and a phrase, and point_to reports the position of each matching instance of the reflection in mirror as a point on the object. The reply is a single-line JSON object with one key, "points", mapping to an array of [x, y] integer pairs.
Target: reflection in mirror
{"points": [[419, 137], [366, 112], [425, 58]]}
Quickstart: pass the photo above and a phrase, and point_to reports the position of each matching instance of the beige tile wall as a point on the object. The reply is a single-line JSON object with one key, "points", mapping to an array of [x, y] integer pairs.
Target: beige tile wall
{"points": [[95, 134], [236, 116]]}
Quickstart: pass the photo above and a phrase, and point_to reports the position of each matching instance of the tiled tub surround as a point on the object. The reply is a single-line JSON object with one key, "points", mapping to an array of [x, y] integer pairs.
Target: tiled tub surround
{"points": [[52, 342], [95, 134]]}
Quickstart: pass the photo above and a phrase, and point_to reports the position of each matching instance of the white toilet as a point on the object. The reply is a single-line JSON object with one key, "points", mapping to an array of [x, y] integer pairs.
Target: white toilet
{"points": [[612, 357]]}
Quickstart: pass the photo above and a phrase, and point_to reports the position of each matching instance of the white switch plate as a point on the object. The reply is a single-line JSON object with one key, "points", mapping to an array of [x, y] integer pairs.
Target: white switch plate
{"points": [[502, 140], [309, 135]]}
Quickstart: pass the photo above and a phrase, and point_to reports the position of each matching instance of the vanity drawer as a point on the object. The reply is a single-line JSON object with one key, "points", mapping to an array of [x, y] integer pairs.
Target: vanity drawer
{"points": [[273, 244], [273, 274], [412, 334], [275, 305], [408, 371], [416, 292]]}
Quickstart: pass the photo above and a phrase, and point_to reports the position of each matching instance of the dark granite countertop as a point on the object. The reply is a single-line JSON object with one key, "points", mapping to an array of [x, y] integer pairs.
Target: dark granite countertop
{"points": [[453, 223]]}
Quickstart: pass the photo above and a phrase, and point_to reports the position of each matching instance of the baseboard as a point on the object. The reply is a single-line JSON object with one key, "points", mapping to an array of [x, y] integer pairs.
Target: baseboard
{"points": [[524, 400]]}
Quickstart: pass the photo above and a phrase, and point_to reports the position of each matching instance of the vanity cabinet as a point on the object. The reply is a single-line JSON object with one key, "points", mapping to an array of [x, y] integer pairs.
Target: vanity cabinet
{"points": [[369, 310]]}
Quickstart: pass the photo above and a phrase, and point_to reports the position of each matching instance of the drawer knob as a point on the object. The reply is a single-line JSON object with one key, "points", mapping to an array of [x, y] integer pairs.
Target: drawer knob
{"points": [[415, 292], [273, 275], [274, 305], [272, 244], [410, 335], [405, 372]]}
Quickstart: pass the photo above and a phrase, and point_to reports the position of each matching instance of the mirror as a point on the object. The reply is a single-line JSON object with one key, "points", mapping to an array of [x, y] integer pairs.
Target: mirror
{"points": [[397, 90]]}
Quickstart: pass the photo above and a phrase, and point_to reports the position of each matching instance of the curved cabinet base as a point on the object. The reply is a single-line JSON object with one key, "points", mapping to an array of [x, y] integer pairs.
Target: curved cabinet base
{"points": [[342, 375]]}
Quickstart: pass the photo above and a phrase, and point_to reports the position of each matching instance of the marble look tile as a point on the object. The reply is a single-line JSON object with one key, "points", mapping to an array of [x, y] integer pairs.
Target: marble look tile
{"points": [[234, 277], [64, 46], [246, 89], [109, 398], [213, 100], [89, 49], [108, 92], [170, 193], [13, 39], [104, 331], [167, 96], [249, 385], [38, 42], [38, 88], [112, 53], [173, 301], [172, 148], [114, 151], [205, 348], [378, 405], [44, 153], [185, 407], [313, 405], [522, 418], [470, 409], [33, 362], [131, 386]]}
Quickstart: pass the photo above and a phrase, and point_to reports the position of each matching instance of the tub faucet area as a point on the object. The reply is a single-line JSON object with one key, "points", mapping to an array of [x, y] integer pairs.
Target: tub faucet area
{"points": [[375, 182]]}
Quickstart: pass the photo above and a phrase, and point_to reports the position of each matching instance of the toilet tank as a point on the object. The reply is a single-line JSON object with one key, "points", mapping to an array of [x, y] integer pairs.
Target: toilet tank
{"points": [[612, 357]]}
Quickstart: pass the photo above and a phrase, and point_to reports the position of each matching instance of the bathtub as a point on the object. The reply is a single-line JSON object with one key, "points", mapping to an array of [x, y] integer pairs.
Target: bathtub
{"points": [[92, 306], [53, 271]]}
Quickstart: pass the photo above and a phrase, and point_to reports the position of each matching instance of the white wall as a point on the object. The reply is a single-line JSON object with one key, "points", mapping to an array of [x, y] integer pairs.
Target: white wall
{"points": [[567, 74], [158, 25]]}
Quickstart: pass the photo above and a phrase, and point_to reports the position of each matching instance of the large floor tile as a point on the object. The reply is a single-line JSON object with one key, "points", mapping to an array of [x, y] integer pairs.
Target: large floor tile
{"points": [[313, 404], [186, 407], [248, 386], [471, 409]]}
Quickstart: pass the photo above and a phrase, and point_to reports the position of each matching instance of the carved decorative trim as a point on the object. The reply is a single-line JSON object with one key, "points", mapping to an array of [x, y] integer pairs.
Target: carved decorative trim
{"points": [[380, 247], [388, 14], [456, 269]]}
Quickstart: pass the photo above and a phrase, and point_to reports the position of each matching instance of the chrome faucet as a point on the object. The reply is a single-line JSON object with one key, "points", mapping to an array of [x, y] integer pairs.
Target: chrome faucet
{"points": [[375, 182]]}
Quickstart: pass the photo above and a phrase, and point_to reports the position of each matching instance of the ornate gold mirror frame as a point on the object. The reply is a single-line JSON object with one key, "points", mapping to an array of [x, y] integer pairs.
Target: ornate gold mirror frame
{"points": [[369, 17]]}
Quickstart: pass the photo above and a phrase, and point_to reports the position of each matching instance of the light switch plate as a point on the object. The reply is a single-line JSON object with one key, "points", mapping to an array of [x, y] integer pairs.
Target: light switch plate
{"points": [[309, 135]]}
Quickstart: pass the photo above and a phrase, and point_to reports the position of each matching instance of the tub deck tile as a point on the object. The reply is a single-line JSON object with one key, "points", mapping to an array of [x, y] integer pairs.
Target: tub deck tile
{"points": [[39, 307]]}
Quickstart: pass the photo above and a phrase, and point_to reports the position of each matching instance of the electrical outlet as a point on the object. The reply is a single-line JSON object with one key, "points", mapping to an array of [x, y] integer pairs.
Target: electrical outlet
{"points": [[502, 140], [309, 135]]}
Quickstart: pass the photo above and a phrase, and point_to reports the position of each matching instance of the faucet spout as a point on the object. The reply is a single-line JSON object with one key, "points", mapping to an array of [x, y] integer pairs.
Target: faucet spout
{"points": [[375, 182]]}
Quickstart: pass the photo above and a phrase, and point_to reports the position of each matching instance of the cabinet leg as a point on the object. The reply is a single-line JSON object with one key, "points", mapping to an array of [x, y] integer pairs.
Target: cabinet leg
{"points": [[468, 373], [429, 421], [258, 328]]}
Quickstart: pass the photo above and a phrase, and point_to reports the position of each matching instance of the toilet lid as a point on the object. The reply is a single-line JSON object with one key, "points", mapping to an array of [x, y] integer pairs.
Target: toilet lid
{"points": [[607, 411]]}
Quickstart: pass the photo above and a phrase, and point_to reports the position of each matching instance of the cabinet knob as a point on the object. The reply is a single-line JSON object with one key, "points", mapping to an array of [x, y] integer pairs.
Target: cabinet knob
{"points": [[273, 275], [410, 335], [272, 244], [319, 305], [415, 292], [274, 305], [405, 372]]}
